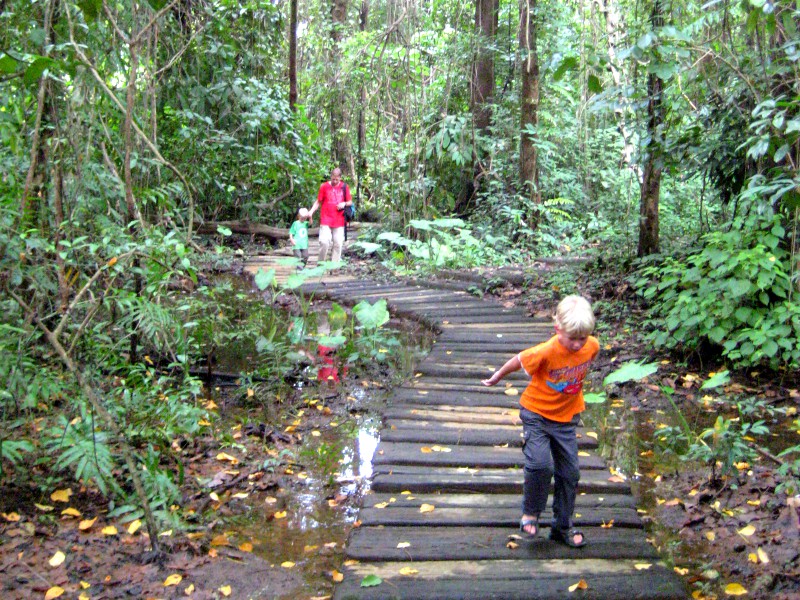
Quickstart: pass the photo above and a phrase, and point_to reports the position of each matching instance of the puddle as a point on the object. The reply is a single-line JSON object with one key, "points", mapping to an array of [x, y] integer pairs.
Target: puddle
{"points": [[320, 482]]}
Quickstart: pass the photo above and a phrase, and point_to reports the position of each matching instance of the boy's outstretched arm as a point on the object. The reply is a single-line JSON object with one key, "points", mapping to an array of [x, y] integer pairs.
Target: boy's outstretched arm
{"points": [[512, 365]]}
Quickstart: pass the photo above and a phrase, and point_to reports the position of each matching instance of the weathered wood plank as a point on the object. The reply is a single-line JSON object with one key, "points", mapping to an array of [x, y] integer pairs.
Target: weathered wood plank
{"points": [[487, 516], [495, 500], [398, 478], [402, 453], [607, 579], [472, 434], [378, 544]]}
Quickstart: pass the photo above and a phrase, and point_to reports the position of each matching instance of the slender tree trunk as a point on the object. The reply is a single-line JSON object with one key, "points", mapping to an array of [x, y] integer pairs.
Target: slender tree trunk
{"points": [[340, 143], [361, 165], [529, 98], [651, 180], [292, 54]]}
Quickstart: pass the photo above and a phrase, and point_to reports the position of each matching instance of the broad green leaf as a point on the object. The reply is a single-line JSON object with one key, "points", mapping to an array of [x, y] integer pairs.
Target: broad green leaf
{"points": [[371, 581], [264, 279], [420, 224], [223, 231], [570, 62], [594, 398], [716, 380], [295, 280], [337, 317], [331, 341], [388, 236], [448, 223], [371, 316], [367, 247], [91, 9], [630, 371], [7, 64], [594, 85], [35, 69]]}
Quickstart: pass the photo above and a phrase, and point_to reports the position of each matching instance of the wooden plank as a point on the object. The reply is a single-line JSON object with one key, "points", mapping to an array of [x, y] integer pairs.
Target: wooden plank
{"points": [[379, 544], [495, 500], [607, 579], [511, 417], [404, 453], [487, 516], [399, 478], [449, 433]]}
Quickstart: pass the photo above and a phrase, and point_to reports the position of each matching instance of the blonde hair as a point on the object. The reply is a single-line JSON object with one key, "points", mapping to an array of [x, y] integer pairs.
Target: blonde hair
{"points": [[574, 316]]}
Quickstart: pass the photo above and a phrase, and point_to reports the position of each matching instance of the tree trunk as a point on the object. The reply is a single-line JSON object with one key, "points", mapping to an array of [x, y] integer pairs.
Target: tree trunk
{"points": [[651, 180], [340, 143], [529, 98], [361, 165], [292, 54]]}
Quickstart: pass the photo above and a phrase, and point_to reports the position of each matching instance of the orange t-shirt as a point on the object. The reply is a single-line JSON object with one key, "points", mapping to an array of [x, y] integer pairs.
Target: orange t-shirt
{"points": [[556, 387]]}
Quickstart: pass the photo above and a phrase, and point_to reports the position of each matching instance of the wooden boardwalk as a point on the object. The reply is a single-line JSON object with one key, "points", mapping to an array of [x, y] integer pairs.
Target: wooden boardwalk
{"points": [[449, 443], [454, 445]]}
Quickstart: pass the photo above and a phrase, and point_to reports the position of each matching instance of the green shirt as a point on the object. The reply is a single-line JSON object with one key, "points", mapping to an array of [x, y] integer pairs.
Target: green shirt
{"points": [[299, 231]]}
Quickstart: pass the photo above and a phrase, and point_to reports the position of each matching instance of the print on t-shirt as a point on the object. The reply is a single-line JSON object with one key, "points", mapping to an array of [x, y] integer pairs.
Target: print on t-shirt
{"points": [[568, 380]]}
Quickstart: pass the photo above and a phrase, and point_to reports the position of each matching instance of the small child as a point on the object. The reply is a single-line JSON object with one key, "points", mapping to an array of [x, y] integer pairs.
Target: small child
{"points": [[298, 237], [551, 405]]}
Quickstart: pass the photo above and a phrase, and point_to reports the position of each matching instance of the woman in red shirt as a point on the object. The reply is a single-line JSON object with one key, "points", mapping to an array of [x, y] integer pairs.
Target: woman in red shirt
{"points": [[332, 198]]}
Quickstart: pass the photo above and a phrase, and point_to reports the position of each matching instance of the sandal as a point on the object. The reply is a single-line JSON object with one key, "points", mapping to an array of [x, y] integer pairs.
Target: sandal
{"points": [[523, 523], [568, 537]]}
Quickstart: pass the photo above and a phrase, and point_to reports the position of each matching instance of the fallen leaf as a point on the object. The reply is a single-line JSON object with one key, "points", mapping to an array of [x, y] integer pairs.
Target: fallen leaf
{"points": [[426, 450], [590, 434], [371, 581], [762, 555], [408, 571], [581, 585], [512, 545], [86, 524], [681, 571], [747, 531], [57, 559], [225, 590], [53, 592], [231, 459], [11, 517], [84, 585], [642, 566], [220, 540], [710, 536], [61, 496], [608, 525], [403, 545], [44, 507], [426, 508], [110, 530], [511, 392], [735, 589], [287, 564], [173, 579], [281, 514], [753, 558], [189, 589], [246, 547], [134, 526], [381, 505], [617, 479], [70, 512], [440, 449], [582, 453], [336, 576]]}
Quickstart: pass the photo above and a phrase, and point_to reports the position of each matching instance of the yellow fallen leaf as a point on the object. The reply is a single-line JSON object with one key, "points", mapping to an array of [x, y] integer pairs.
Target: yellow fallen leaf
{"points": [[753, 558], [308, 548], [44, 507], [246, 547], [608, 525], [642, 566], [214, 496], [204, 423], [511, 392], [581, 585], [512, 545], [582, 453], [336, 576], [166, 533], [11, 517], [710, 536], [762, 555], [403, 545], [61, 496], [53, 592], [70, 512], [287, 564], [681, 571], [57, 559], [83, 596], [134, 526], [590, 434], [350, 562], [225, 590], [735, 589], [110, 530], [281, 514], [231, 459], [86, 524], [381, 505], [173, 579], [747, 531], [189, 589], [85, 585], [426, 508], [426, 450], [220, 540], [408, 571], [754, 502], [440, 449]]}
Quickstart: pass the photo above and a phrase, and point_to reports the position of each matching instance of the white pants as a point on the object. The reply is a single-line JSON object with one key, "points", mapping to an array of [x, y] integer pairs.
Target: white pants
{"points": [[326, 234]]}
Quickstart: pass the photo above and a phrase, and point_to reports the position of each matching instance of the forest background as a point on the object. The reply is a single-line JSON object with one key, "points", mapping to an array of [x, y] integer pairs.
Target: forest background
{"points": [[661, 139]]}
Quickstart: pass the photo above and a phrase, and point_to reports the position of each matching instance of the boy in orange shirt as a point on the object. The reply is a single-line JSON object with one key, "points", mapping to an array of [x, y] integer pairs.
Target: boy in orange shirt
{"points": [[550, 411]]}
